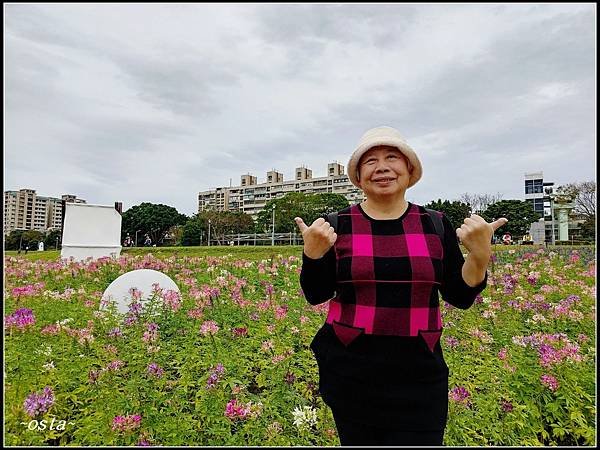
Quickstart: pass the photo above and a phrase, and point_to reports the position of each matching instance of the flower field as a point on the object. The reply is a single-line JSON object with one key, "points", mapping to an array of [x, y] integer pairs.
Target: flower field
{"points": [[228, 361]]}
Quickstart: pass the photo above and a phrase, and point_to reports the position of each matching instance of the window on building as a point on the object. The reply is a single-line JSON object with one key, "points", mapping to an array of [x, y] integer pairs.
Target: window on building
{"points": [[529, 186]]}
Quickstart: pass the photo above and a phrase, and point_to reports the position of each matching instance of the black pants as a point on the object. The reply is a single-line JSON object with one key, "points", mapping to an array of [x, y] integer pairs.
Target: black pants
{"points": [[352, 433]]}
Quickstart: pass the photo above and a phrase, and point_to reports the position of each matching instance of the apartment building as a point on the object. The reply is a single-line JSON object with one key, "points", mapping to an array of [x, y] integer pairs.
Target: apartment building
{"points": [[537, 193], [25, 210], [251, 197]]}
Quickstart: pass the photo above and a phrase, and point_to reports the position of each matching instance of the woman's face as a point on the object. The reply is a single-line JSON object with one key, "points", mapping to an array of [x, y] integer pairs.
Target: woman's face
{"points": [[383, 171]]}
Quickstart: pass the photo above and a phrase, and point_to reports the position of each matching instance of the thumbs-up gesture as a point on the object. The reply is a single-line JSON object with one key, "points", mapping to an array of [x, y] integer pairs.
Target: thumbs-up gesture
{"points": [[476, 234], [318, 238]]}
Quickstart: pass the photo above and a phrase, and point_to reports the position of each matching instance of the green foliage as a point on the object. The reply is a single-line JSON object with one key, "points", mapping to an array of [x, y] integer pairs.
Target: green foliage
{"points": [[194, 230], [52, 239], [588, 229], [582, 194], [153, 219], [456, 211], [296, 204], [24, 238], [520, 215], [533, 296]]}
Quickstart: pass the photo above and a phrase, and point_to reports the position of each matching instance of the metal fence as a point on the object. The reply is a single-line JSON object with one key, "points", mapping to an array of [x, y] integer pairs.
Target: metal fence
{"points": [[256, 239]]}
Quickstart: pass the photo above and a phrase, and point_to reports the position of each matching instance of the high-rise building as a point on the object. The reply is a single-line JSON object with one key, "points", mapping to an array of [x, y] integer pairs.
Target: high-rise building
{"points": [[251, 197], [25, 210], [536, 192]]}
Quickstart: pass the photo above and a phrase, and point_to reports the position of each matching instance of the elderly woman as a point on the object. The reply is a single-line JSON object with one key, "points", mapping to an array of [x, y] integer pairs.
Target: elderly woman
{"points": [[381, 366]]}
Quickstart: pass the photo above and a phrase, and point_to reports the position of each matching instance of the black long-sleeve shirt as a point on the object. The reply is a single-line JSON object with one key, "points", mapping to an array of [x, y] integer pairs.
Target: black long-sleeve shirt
{"points": [[382, 278]]}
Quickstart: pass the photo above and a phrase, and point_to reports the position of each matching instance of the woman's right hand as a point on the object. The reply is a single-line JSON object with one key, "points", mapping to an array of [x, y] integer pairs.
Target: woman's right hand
{"points": [[318, 238]]}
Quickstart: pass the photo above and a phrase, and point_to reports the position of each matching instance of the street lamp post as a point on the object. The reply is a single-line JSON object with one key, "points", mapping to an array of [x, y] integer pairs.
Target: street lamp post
{"points": [[56, 242], [273, 232], [552, 214], [209, 232], [551, 197]]}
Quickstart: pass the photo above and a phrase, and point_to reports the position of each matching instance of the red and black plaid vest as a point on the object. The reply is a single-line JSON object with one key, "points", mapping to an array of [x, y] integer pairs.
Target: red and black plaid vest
{"points": [[388, 274]]}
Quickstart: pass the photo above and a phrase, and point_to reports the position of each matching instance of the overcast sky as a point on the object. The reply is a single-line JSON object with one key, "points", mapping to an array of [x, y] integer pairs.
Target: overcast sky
{"points": [[156, 102]]}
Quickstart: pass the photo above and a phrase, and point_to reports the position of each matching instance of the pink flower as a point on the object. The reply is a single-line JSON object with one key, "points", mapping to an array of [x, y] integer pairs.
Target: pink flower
{"points": [[281, 312], [195, 313], [126, 423], [234, 410], [51, 329], [502, 353], [459, 394], [39, 403], [209, 327], [550, 382], [267, 345], [155, 370], [240, 331], [172, 299], [115, 365], [21, 319], [451, 341]]}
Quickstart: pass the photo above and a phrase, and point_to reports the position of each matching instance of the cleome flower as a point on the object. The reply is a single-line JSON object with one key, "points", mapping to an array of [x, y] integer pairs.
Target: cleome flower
{"points": [[39, 403], [304, 417], [126, 423], [21, 319], [237, 411], [209, 327]]}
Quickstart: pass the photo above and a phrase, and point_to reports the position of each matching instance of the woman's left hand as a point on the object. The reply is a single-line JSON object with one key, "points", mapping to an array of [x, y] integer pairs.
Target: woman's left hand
{"points": [[476, 234]]}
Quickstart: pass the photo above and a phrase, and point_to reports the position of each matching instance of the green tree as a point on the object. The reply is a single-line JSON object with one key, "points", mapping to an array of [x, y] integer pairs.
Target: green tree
{"points": [[588, 229], [221, 223], [52, 239], [194, 230], [150, 218], [12, 240], [520, 215], [456, 211], [297, 204], [583, 195], [24, 238]]}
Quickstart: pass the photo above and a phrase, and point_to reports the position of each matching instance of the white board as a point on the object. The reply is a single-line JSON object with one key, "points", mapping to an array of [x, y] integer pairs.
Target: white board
{"points": [[91, 231], [141, 279]]}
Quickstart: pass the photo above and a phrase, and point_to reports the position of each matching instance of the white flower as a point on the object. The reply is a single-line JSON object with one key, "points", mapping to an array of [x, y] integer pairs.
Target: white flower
{"points": [[49, 366], [305, 417], [45, 350], [487, 314], [538, 318]]}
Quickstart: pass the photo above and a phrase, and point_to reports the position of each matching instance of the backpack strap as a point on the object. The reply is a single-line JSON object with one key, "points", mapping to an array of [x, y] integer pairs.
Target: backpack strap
{"points": [[436, 218], [332, 218]]}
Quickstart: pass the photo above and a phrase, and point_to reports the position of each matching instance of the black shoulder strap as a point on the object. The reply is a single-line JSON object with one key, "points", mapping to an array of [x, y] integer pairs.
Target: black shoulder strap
{"points": [[332, 218], [437, 223]]}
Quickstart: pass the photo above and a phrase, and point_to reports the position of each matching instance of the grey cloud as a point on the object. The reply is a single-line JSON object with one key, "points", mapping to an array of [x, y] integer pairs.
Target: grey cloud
{"points": [[342, 22], [176, 85]]}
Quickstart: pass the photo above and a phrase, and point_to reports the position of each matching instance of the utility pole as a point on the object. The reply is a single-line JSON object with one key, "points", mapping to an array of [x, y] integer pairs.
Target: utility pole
{"points": [[273, 233]]}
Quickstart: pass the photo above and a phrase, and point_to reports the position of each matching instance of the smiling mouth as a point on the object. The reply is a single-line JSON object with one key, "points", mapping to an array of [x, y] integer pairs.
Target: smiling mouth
{"points": [[384, 180]]}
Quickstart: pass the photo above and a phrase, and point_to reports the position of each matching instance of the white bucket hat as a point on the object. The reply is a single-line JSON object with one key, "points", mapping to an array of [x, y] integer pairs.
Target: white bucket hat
{"points": [[384, 136]]}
